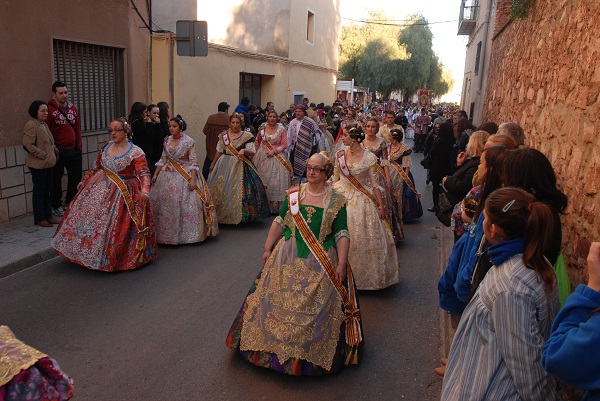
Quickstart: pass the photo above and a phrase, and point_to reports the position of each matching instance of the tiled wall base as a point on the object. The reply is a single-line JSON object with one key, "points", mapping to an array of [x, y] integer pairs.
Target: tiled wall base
{"points": [[15, 178]]}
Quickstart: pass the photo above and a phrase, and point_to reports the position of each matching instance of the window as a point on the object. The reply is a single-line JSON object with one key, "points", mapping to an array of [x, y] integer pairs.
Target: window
{"points": [[95, 78], [471, 111], [298, 97], [477, 57], [250, 86], [310, 27]]}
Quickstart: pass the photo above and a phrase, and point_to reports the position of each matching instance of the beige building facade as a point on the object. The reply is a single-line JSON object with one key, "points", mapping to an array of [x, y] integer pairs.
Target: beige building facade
{"points": [[269, 50], [96, 48], [476, 20]]}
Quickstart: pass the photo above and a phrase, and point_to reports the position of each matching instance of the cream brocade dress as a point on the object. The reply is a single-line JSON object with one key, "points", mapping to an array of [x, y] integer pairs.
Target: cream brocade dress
{"points": [[372, 255], [273, 174], [179, 214]]}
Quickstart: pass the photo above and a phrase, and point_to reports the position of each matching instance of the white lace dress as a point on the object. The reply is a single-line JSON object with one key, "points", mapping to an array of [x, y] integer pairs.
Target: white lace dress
{"points": [[372, 255]]}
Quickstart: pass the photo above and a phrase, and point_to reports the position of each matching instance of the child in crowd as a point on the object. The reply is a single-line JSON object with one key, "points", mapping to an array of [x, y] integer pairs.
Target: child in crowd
{"points": [[496, 352]]}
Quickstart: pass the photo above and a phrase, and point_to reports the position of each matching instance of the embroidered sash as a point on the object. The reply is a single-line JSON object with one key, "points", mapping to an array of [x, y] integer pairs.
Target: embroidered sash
{"points": [[353, 331], [277, 155], [341, 156], [204, 196], [140, 221], [233, 150], [405, 177]]}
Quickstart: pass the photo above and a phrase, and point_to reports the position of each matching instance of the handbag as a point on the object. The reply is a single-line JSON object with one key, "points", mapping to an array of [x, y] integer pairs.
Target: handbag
{"points": [[426, 162], [444, 203], [445, 209]]}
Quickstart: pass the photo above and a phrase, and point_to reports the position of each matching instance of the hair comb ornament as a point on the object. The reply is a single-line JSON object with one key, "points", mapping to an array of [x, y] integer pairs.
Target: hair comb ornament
{"points": [[507, 206]]}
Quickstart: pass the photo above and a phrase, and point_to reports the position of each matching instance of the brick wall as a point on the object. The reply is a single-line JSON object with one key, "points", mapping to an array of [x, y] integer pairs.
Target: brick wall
{"points": [[502, 16], [15, 179], [544, 74]]}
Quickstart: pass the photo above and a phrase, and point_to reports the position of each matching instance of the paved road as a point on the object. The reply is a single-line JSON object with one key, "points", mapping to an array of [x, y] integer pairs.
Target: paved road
{"points": [[158, 333]]}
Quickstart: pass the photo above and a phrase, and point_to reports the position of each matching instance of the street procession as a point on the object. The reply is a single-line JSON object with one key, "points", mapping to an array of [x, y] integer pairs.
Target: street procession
{"points": [[270, 199]]}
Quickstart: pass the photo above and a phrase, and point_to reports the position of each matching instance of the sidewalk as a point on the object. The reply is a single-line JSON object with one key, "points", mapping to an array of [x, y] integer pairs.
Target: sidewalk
{"points": [[23, 244]]}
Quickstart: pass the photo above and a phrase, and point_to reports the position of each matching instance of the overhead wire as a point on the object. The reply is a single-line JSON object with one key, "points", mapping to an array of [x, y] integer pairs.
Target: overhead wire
{"points": [[146, 24], [386, 22]]}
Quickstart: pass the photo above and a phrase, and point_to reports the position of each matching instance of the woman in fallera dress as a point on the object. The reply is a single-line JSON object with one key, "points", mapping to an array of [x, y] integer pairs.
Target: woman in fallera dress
{"points": [[272, 162], [109, 224], [301, 314], [28, 374], [379, 147], [404, 189], [237, 190], [373, 253], [181, 203]]}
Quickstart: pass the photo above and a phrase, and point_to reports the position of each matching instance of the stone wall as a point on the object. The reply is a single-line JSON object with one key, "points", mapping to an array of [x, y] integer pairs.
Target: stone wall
{"points": [[15, 178], [544, 74]]}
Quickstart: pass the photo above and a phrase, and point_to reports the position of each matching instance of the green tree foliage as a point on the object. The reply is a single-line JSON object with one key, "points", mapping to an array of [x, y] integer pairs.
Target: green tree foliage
{"points": [[439, 79], [390, 58]]}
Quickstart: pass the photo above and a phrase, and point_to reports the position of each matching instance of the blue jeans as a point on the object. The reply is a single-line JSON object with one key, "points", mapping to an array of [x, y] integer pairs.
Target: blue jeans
{"points": [[42, 186]]}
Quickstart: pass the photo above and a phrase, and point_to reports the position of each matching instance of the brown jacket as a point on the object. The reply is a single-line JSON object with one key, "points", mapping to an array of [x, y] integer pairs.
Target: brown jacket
{"points": [[39, 143], [215, 124]]}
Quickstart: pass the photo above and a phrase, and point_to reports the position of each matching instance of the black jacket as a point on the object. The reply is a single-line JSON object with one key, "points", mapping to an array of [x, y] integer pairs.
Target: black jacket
{"points": [[459, 146], [440, 159], [460, 183]]}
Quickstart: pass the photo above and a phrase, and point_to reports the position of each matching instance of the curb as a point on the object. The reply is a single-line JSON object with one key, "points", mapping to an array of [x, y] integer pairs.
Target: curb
{"points": [[446, 331], [26, 262]]}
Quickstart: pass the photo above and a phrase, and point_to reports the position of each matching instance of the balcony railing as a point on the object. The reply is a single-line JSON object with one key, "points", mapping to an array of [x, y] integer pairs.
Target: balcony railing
{"points": [[468, 17]]}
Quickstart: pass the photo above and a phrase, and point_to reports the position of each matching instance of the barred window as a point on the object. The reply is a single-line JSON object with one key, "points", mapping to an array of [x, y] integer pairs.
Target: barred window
{"points": [[250, 86], [477, 58], [95, 78]]}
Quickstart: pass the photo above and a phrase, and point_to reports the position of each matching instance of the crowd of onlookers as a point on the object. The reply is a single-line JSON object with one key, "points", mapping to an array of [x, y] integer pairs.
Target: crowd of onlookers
{"points": [[506, 279]]}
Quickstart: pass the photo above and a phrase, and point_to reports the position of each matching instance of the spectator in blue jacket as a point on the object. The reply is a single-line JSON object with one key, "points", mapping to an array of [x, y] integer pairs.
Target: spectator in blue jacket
{"points": [[244, 108], [572, 352]]}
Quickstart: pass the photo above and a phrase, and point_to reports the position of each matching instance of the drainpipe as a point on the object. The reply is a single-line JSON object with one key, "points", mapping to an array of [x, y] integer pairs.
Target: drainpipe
{"points": [[484, 46], [171, 73]]}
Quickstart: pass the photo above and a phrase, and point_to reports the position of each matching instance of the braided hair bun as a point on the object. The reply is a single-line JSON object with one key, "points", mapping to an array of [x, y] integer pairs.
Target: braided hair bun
{"points": [[397, 134], [180, 121], [357, 134]]}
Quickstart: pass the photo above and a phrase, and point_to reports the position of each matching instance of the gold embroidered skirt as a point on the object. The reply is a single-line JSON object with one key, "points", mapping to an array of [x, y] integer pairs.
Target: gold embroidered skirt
{"points": [[292, 320]]}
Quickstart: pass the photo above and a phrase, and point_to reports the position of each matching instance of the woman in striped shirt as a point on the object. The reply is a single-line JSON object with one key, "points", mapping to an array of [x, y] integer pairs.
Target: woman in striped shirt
{"points": [[496, 353]]}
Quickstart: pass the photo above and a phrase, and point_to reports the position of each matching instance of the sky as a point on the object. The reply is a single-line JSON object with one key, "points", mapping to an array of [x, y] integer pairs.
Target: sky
{"points": [[449, 47]]}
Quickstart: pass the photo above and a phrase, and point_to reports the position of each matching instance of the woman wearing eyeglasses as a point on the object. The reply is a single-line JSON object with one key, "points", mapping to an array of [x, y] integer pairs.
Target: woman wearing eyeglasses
{"points": [[301, 314], [109, 224], [373, 252]]}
